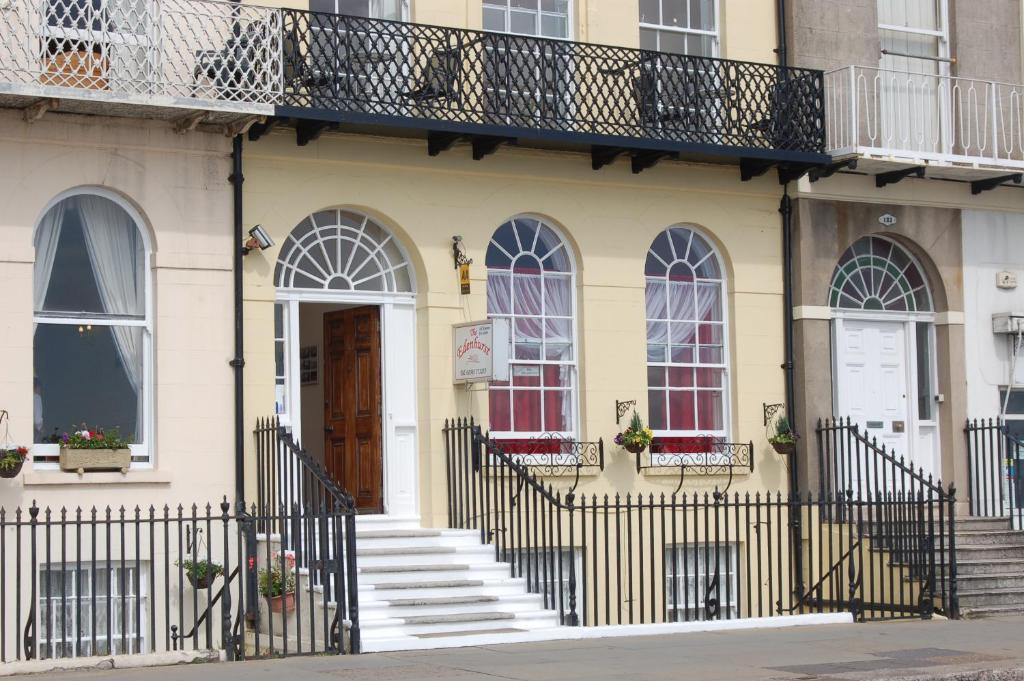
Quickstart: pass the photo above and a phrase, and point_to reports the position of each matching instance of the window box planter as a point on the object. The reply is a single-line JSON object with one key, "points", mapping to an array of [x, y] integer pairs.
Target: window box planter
{"points": [[82, 460], [76, 68]]}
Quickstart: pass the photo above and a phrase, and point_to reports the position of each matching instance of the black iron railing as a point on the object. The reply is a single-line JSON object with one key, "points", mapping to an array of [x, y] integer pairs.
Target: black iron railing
{"points": [[643, 558], [994, 460], [458, 81], [118, 582]]}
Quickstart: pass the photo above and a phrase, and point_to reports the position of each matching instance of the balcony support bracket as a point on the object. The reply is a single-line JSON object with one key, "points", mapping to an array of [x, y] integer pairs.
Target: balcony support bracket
{"points": [[751, 168], [189, 123], [979, 186], [642, 160], [485, 145], [242, 126], [261, 128], [830, 170], [895, 176], [35, 111], [308, 131], [791, 172], [600, 156], [440, 141]]}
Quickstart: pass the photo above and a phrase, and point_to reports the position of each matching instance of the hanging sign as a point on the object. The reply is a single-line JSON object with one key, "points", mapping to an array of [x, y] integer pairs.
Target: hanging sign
{"points": [[464, 278], [480, 351]]}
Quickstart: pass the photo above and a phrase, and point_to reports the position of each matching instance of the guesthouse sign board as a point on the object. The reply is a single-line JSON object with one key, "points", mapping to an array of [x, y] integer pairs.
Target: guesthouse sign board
{"points": [[480, 351]]}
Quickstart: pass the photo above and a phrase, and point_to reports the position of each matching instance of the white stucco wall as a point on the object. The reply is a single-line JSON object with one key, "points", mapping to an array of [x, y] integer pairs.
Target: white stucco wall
{"points": [[992, 242]]}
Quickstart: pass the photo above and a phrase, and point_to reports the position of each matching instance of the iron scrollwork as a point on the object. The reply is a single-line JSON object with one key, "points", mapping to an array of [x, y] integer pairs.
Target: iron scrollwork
{"points": [[552, 455], [717, 458], [621, 408]]}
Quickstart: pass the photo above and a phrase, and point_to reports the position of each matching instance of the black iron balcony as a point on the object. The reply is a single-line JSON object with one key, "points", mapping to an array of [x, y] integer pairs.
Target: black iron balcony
{"points": [[453, 82]]}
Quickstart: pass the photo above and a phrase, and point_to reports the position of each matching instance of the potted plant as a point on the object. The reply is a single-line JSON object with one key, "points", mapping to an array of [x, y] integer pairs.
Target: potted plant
{"points": [[277, 584], [636, 438], [94, 450], [784, 439], [201, 573], [11, 461]]}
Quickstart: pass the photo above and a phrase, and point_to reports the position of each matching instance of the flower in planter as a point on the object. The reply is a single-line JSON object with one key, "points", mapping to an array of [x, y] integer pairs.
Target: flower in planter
{"points": [[201, 572], [12, 457], [784, 436], [636, 437], [279, 579], [94, 439]]}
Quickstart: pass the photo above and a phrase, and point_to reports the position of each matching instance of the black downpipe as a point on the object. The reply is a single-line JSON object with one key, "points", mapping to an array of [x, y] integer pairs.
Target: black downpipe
{"points": [[786, 211], [238, 362]]}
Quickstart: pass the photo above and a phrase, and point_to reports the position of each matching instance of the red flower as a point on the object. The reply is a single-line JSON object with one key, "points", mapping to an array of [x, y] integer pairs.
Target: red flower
{"points": [[252, 562]]}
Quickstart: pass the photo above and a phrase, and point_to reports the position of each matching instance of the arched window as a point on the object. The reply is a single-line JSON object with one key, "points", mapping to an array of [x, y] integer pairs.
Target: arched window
{"points": [[878, 274], [530, 283], [687, 359], [344, 251], [93, 320]]}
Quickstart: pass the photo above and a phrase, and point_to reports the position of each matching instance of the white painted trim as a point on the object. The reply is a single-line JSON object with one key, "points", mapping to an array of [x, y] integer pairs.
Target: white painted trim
{"points": [[565, 633], [812, 312]]}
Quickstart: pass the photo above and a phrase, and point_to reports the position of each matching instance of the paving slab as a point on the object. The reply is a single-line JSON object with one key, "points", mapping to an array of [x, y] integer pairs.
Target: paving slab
{"points": [[939, 650]]}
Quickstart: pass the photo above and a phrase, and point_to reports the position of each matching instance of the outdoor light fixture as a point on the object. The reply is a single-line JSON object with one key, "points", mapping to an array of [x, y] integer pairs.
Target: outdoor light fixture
{"points": [[258, 238]]}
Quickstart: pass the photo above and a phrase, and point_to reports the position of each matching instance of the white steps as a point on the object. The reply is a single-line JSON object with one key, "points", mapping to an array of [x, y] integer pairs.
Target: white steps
{"points": [[429, 588]]}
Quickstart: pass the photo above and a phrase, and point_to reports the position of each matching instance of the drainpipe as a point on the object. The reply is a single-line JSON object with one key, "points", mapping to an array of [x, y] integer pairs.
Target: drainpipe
{"points": [[786, 211], [238, 362]]}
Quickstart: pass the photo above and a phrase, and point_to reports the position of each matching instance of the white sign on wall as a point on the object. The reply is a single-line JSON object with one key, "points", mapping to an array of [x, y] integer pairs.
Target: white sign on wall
{"points": [[480, 351]]}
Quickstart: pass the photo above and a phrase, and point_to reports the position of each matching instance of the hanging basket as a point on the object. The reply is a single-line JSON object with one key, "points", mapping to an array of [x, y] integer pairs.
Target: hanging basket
{"points": [[634, 449], [785, 448], [204, 581], [12, 471]]}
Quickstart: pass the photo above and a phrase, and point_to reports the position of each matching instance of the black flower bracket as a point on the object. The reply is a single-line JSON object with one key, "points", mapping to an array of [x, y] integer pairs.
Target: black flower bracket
{"points": [[621, 408]]}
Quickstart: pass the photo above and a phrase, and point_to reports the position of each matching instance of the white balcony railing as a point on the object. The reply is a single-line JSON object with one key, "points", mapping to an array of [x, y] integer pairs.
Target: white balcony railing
{"points": [[199, 53], [915, 118]]}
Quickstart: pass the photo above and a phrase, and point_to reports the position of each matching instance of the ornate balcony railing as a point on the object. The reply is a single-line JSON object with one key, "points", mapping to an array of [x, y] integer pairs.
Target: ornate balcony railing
{"points": [[196, 54], [457, 81], [925, 119]]}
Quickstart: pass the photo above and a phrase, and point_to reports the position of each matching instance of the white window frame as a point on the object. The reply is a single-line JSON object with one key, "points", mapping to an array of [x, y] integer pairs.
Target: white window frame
{"points": [[403, 6], [714, 35], [71, 598], [723, 433], [572, 364], [281, 397], [728, 589], [537, 14], [143, 452]]}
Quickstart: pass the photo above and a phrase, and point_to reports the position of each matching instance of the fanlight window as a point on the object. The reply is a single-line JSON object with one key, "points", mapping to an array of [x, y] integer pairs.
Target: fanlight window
{"points": [[686, 330], [878, 275], [342, 250], [530, 283]]}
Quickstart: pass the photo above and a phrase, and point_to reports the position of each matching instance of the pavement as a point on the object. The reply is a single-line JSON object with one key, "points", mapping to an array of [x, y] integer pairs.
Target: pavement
{"points": [[966, 650]]}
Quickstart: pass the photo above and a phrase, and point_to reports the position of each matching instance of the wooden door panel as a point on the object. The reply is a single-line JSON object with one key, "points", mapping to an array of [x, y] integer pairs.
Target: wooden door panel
{"points": [[352, 403]]}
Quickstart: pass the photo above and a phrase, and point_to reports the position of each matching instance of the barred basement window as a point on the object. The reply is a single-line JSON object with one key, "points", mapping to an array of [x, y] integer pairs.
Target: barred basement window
{"points": [[547, 573], [93, 611], [689, 571]]}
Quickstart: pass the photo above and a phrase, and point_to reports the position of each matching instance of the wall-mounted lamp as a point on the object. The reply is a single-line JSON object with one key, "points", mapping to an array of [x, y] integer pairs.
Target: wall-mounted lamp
{"points": [[459, 252], [258, 239]]}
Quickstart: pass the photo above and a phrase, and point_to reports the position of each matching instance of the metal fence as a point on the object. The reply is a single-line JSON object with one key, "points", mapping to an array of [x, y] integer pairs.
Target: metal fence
{"points": [[994, 460], [116, 582], [503, 83], [601, 560], [924, 116], [195, 49]]}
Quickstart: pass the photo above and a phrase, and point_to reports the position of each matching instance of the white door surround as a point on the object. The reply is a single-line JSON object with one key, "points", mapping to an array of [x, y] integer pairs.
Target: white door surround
{"points": [[343, 257], [875, 381]]}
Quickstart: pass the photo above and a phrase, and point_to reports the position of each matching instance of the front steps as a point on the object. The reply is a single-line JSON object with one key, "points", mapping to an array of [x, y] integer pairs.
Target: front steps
{"points": [[990, 567], [428, 588]]}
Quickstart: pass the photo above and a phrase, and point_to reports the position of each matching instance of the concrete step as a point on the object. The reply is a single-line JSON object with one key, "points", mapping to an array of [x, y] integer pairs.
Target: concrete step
{"points": [[435, 555], [1006, 580], [968, 566], [992, 597], [460, 605], [990, 552], [979, 523], [415, 538], [437, 624], [434, 572], [992, 611], [443, 588], [989, 538]]}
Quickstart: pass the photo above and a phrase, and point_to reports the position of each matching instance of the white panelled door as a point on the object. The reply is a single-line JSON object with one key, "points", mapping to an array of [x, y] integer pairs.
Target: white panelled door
{"points": [[872, 379]]}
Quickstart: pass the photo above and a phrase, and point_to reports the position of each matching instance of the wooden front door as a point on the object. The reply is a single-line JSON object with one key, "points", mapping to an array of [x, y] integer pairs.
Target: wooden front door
{"points": [[352, 404]]}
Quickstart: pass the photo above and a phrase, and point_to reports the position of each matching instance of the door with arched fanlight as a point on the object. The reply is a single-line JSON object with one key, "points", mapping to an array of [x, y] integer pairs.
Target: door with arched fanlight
{"points": [[883, 349]]}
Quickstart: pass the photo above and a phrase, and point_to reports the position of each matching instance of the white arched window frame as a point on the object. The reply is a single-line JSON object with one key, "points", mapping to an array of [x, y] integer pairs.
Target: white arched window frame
{"points": [[687, 335], [531, 282], [45, 455]]}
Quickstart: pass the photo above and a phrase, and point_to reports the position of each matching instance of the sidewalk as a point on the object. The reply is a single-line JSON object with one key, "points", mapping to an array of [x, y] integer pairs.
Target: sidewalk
{"points": [[938, 649]]}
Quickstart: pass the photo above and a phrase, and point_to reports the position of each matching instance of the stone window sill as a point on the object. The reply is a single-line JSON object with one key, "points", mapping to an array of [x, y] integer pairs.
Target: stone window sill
{"points": [[43, 478]]}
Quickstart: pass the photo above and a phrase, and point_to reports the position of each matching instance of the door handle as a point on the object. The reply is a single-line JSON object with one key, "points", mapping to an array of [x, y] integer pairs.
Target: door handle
{"points": [[328, 429]]}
